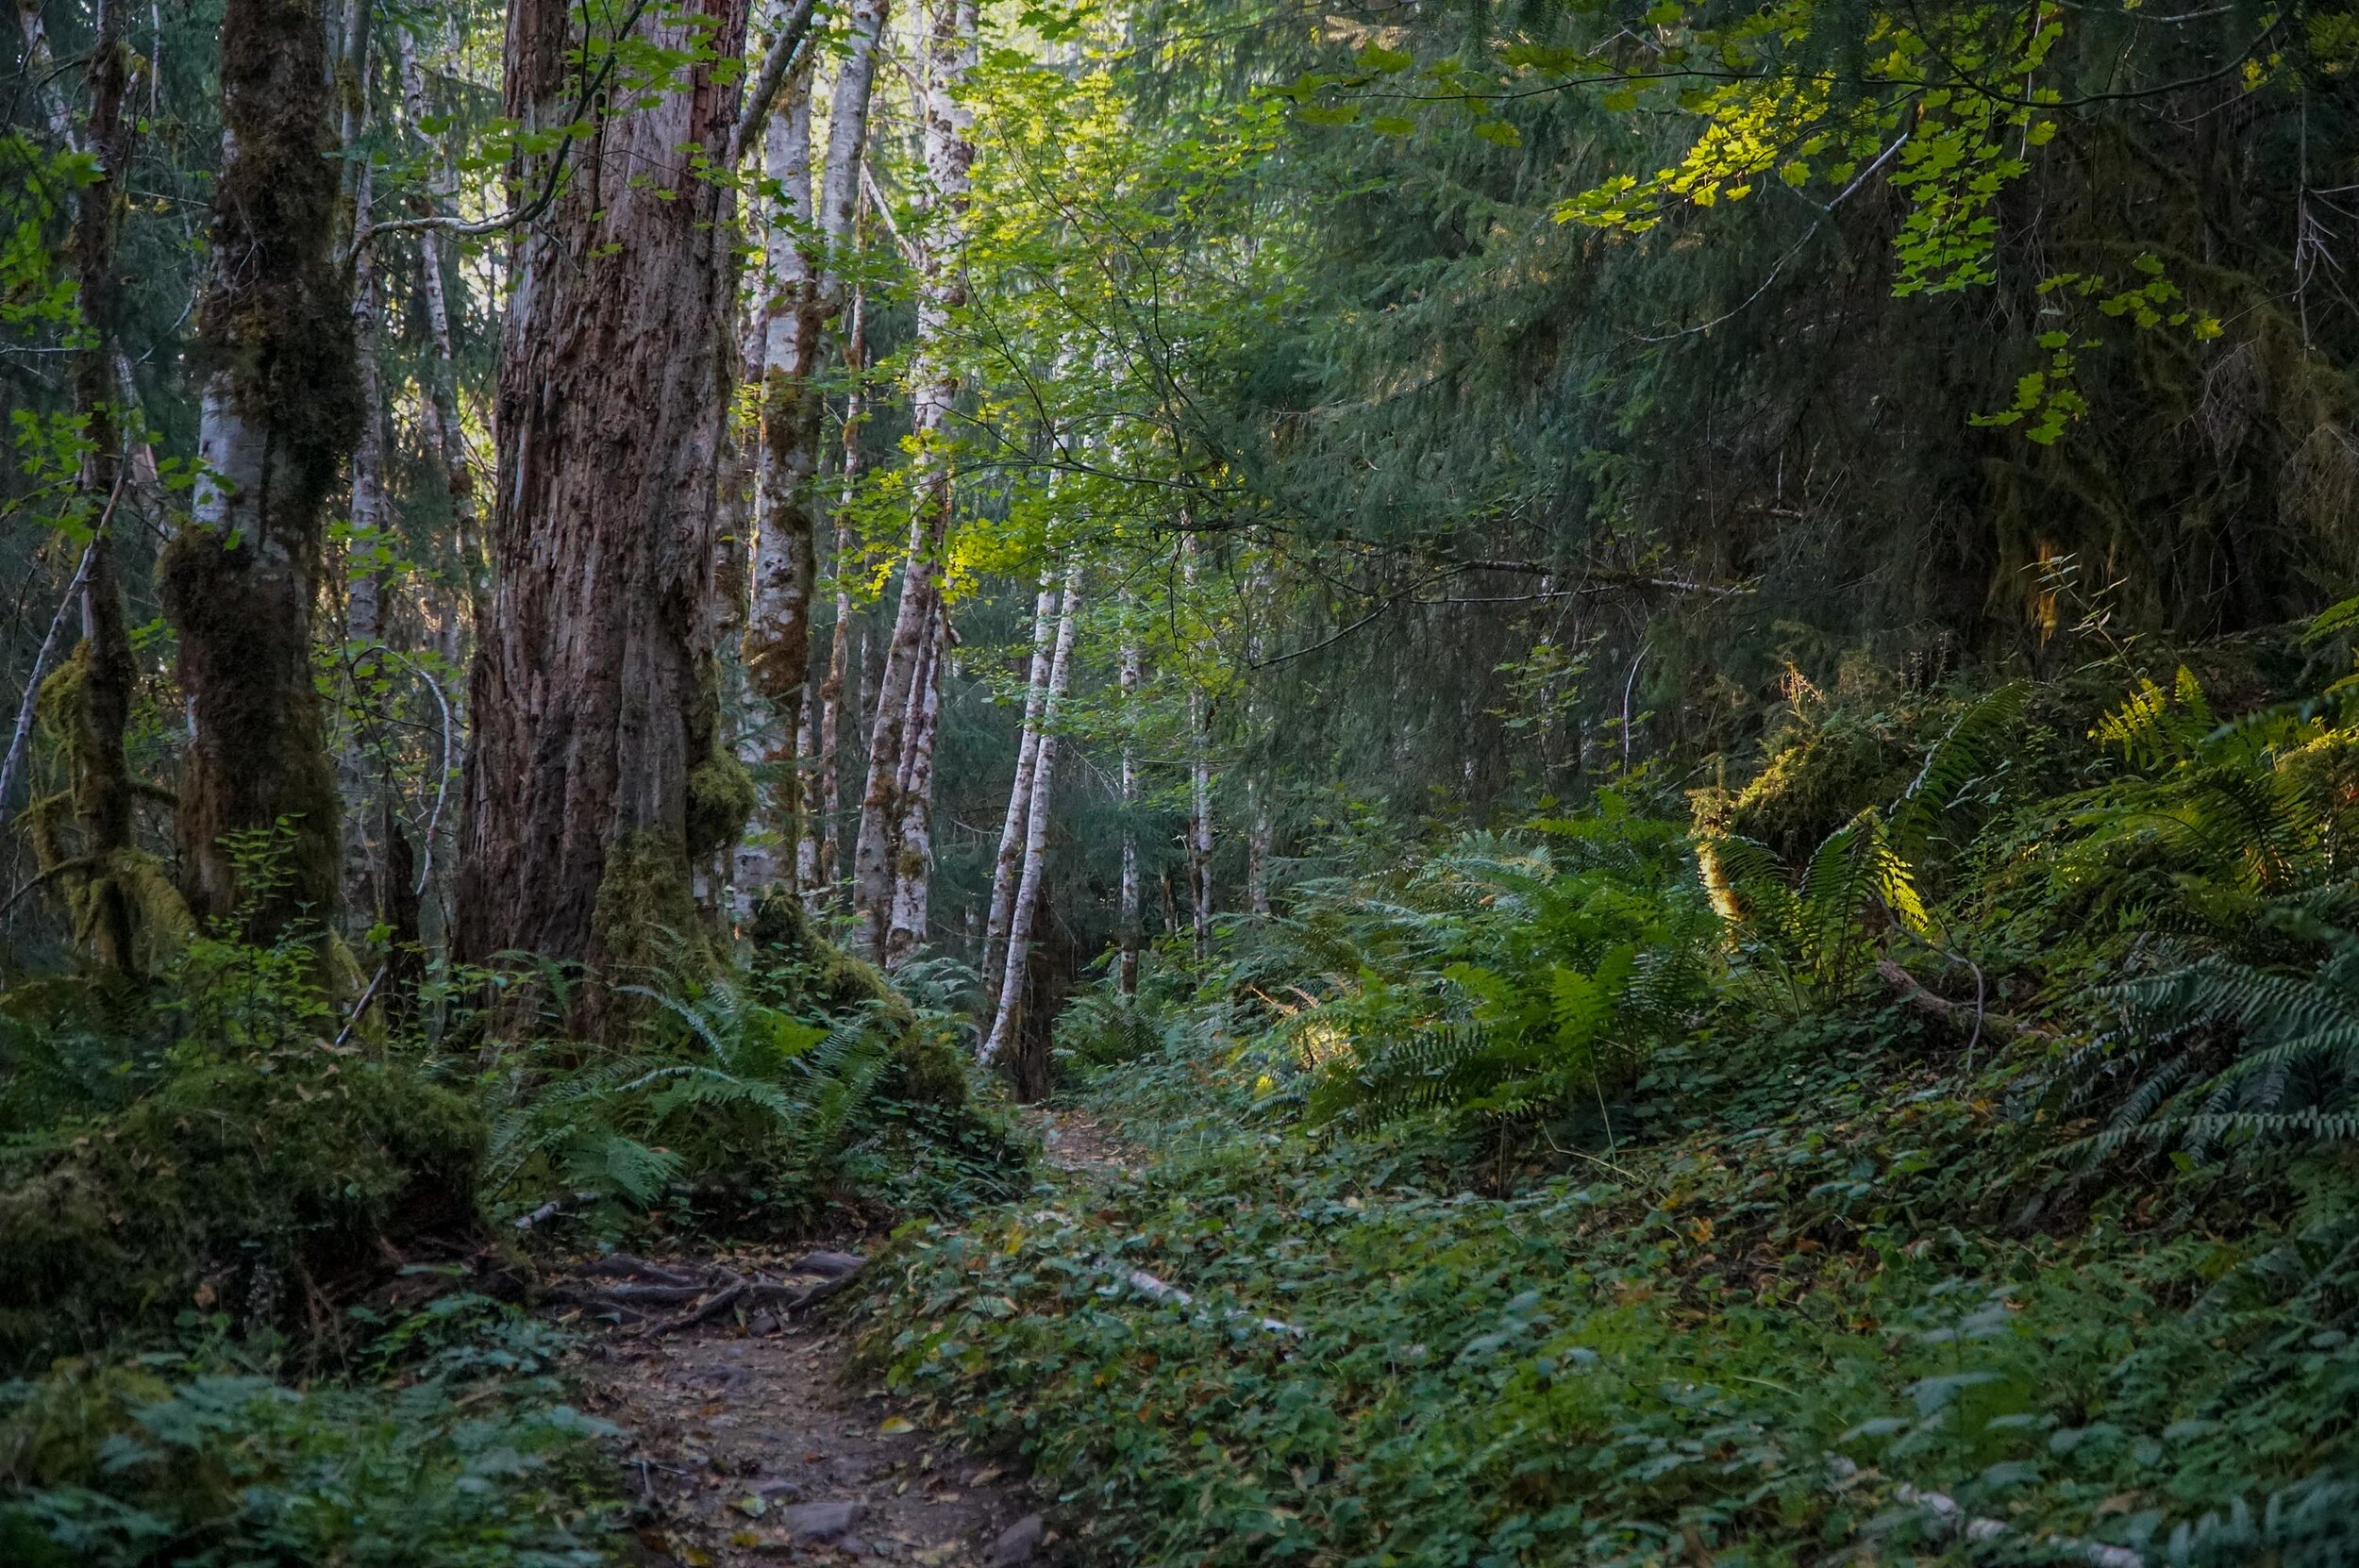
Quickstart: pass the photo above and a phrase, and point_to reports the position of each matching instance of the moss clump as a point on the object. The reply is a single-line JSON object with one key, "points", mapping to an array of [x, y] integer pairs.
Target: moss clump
{"points": [[796, 969], [254, 1186], [646, 918], [1825, 773], [947, 1137], [721, 796]]}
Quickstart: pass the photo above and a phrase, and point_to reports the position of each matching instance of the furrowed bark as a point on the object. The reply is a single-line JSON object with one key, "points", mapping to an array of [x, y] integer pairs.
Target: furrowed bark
{"points": [[1007, 1018], [950, 149], [279, 409], [810, 293], [597, 779], [1010, 863]]}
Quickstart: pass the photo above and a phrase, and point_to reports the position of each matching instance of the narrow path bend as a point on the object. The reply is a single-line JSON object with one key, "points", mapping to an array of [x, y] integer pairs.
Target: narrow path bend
{"points": [[742, 1441]]}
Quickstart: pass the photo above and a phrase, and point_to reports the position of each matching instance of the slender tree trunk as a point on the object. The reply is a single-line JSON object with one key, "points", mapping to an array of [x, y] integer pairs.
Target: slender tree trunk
{"points": [[1130, 934], [279, 409], [950, 149], [1199, 786], [913, 876], [1007, 1017], [445, 435], [370, 813], [597, 779], [1010, 864], [832, 702], [783, 363], [108, 916], [806, 832], [808, 296]]}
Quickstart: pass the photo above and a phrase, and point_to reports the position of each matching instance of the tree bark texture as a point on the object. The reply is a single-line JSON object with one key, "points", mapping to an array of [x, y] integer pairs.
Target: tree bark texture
{"points": [[1009, 1014], [950, 149], [807, 293], [914, 868], [279, 409], [596, 779]]}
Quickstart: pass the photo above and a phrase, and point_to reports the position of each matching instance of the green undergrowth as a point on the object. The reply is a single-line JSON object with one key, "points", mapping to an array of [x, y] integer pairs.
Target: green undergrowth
{"points": [[450, 1443], [1736, 1342], [250, 1231], [1942, 1147]]}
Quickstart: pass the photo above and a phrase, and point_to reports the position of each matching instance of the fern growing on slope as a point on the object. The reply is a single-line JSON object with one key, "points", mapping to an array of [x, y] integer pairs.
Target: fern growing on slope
{"points": [[727, 1092], [2212, 1053], [1497, 985]]}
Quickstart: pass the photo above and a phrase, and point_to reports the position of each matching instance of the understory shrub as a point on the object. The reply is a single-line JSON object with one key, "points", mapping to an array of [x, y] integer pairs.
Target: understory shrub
{"points": [[454, 1448]]}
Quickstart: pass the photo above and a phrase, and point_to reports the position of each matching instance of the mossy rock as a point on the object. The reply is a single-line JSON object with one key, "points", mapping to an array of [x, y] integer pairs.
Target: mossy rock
{"points": [[260, 1188], [1824, 774]]}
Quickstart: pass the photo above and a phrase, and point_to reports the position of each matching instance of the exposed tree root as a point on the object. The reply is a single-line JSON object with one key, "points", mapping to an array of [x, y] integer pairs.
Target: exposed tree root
{"points": [[658, 1298]]}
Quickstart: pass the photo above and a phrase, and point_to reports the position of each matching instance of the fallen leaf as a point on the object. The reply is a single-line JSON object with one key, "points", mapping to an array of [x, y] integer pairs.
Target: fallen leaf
{"points": [[893, 1425]]}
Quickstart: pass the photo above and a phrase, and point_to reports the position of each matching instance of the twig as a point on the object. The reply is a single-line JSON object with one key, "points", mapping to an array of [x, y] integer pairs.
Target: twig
{"points": [[359, 1007], [1915, 995], [442, 782]]}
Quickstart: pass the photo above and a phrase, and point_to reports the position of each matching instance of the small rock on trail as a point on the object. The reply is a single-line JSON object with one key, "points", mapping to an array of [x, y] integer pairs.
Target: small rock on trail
{"points": [[745, 1448]]}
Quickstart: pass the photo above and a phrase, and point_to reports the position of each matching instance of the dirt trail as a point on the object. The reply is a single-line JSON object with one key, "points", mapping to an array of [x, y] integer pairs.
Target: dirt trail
{"points": [[746, 1442]]}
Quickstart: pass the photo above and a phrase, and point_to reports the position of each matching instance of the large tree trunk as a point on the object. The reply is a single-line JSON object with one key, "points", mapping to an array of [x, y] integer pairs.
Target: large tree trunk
{"points": [[1009, 866], [1008, 1016], [279, 409], [949, 148], [596, 779], [808, 297]]}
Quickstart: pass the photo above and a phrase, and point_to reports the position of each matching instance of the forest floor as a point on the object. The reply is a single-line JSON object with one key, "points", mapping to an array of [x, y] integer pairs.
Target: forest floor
{"points": [[751, 1442]]}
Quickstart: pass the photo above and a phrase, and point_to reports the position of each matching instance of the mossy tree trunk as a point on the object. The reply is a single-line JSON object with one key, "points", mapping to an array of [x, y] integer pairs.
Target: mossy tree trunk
{"points": [[279, 410], [597, 779], [103, 794]]}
